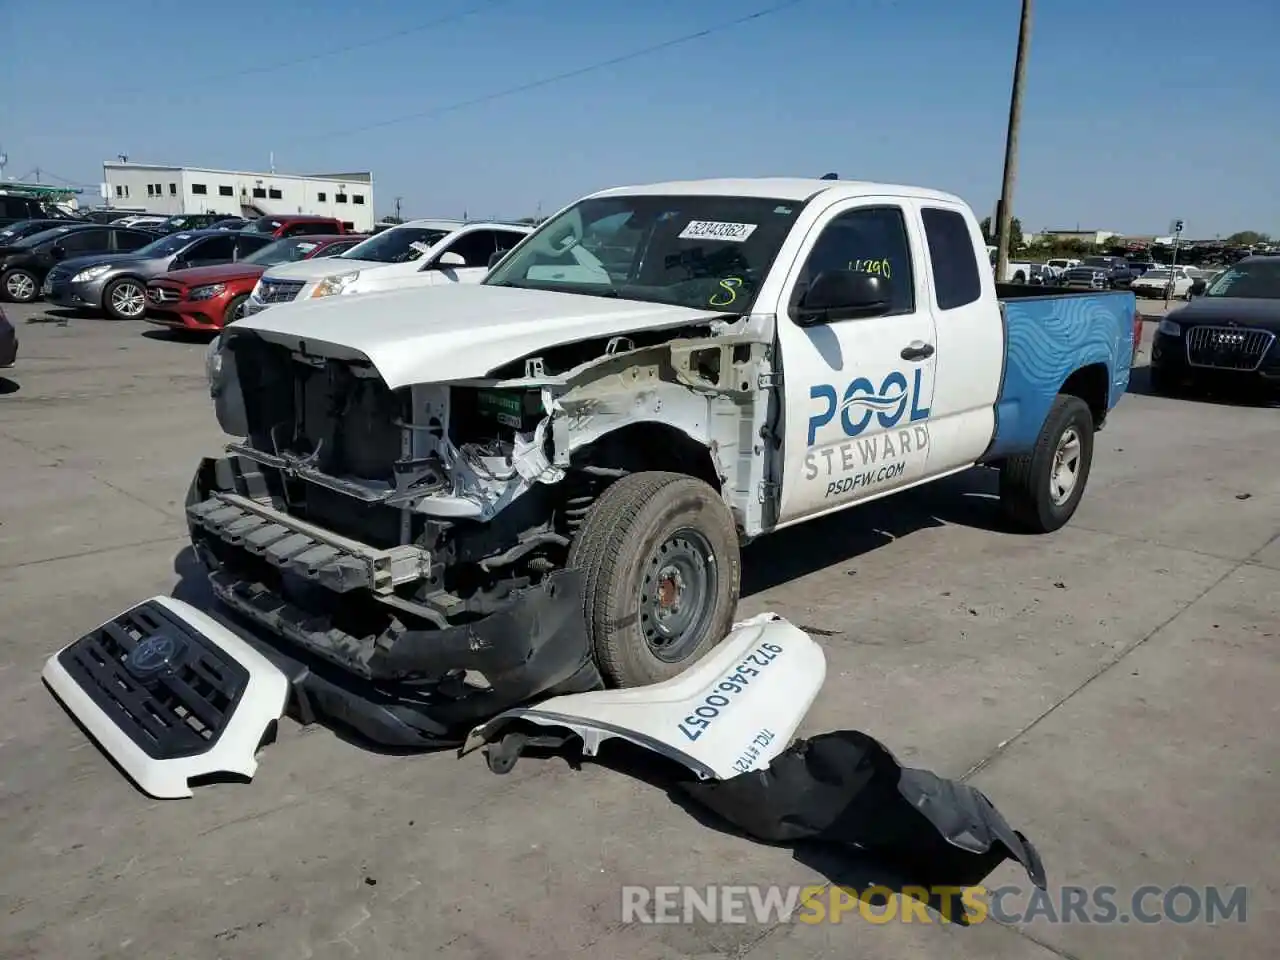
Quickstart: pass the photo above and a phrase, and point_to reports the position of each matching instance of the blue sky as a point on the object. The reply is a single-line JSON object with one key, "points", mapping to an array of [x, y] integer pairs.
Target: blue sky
{"points": [[1135, 112]]}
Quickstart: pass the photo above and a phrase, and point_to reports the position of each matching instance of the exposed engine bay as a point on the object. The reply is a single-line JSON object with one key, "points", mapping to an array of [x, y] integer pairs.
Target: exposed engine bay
{"points": [[378, 529]]}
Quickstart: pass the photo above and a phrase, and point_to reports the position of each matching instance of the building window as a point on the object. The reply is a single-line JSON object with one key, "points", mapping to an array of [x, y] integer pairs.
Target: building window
{"points": [[274, 193], [173, 189], [119, 190], [357, 198], [159, 189], [340, 197], [150, 190], [126, 190], [321, 196], [259, 193], [225, 191], [199, 189]]}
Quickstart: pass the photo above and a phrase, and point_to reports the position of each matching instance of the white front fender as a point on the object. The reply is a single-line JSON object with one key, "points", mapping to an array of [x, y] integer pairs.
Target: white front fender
{"points": [[731, 712]]}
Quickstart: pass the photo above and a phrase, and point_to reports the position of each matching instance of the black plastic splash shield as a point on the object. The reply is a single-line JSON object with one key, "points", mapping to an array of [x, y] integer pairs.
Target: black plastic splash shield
{"points": [[846, 788]]}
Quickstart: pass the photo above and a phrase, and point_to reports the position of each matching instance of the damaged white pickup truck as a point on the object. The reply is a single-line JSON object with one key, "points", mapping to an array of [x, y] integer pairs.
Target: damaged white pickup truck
{"points": [[442, 503]]}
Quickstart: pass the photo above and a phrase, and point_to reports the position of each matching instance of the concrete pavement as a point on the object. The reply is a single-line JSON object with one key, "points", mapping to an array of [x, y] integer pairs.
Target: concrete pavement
{"points": [[1111, 687]]}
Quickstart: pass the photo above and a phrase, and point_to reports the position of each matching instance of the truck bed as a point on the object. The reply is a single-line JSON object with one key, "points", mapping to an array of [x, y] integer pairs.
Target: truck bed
{"points": [[1051, 335]]}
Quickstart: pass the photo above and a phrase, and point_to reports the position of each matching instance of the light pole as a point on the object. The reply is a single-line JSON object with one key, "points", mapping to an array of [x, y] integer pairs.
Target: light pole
{"points": [[1168, 287], [1011, 143]]}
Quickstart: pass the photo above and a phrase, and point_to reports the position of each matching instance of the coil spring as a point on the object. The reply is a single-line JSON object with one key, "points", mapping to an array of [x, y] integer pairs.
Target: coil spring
{"points": [[575, 511]]}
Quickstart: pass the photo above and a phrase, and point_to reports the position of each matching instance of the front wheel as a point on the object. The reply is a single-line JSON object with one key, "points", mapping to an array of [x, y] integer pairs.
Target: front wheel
{"points": [[1040, 490], [659, 552], [235, 309], [125, 299], [20, 286]]}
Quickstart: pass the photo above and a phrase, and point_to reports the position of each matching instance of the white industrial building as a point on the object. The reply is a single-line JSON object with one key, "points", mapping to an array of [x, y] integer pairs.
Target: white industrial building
{"points": [[170, 190]]}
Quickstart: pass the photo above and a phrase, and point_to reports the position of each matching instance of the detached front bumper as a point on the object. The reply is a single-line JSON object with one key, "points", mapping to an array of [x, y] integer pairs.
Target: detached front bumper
{"points": [[332, 615]]}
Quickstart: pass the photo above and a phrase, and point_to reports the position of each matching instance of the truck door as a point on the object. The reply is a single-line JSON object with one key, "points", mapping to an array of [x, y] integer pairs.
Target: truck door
{"points": [[970, 334], [856, 391]]}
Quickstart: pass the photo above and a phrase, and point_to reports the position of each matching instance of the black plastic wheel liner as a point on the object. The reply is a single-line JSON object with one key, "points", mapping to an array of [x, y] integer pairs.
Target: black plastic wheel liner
{"points": [[846, 788]]}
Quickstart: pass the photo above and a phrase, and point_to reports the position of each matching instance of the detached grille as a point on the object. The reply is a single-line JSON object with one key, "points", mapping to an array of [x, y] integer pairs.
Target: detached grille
{"points": [[280, 291], [162, 682], [1227, 348]]}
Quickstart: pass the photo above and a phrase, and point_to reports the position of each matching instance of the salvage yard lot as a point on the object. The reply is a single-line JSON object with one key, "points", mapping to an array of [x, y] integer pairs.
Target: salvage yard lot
{"points": [[1112, 686]]}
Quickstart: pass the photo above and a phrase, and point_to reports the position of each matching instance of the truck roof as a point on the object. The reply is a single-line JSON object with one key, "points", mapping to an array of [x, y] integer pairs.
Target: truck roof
{"points": [[782, 188]]}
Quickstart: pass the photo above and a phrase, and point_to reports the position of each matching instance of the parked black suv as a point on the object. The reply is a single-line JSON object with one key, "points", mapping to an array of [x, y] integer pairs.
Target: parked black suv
{"points": [[13, 209], [24, 266], [1226, 334]]}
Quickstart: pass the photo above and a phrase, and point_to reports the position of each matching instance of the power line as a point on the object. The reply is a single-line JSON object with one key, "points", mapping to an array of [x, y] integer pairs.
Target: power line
{"points": [[567, 75], [345, 48]]}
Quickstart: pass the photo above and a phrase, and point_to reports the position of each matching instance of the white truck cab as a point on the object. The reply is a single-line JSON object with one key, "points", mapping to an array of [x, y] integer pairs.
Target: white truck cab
{"points": [[420, 253], [467, 496]]}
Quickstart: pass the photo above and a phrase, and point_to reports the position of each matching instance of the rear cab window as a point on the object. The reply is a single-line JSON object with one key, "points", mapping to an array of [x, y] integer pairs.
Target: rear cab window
{"points": [[957, 281]]}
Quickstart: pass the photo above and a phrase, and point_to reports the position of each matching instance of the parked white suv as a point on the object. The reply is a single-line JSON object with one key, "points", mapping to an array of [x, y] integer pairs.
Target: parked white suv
{"points": [[413, 254]]}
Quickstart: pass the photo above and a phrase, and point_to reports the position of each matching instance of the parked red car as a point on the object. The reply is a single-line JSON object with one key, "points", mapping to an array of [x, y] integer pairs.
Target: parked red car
{"points": [[207, 298], [295, 226]]}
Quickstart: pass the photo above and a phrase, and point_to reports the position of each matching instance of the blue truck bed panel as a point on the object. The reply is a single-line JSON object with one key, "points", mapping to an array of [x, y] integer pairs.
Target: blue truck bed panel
{"points": [[1047, 339]]}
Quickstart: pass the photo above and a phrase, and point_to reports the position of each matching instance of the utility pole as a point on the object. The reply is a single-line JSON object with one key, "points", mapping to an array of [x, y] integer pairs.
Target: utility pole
{"points": [[398, 199], [1177, 235], [37, 174], [1011, 143]]}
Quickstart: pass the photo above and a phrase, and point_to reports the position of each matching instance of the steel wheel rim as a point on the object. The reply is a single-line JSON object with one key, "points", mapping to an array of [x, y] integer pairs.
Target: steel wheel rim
{"points": [[20, 286], [1064, 477], [128, 300], [678, 593]]}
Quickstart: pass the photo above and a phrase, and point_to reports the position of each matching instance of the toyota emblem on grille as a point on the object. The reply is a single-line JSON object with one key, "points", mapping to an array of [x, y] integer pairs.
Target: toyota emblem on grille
{"points": [[154, 655]]}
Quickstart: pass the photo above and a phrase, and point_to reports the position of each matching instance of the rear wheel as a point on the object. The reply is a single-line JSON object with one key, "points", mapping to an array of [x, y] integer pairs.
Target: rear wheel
{"points": [[125, 299], [1040, 490], [660, 556], [20, 286], [235, 309]]}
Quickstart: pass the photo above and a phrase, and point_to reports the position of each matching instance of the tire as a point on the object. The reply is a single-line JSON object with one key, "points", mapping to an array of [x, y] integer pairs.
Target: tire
{"points": [[1019, 277], [118, 293], [1029, 483], [236, 304], [20, 286], [643, 527]]}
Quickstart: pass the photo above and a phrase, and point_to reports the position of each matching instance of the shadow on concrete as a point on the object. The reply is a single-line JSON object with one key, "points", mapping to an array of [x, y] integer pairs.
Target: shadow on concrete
{"points": [[969, 499], [171, 335], [1221, 393], [8, 386]]}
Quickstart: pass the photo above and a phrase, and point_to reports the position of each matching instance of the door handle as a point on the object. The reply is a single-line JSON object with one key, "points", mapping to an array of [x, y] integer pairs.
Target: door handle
{"points": [[917, 350]]}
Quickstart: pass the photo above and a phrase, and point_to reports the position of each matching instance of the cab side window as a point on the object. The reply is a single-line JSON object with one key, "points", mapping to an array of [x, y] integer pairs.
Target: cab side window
{"points": [[476, 247], [866, 240], [953, 257]]}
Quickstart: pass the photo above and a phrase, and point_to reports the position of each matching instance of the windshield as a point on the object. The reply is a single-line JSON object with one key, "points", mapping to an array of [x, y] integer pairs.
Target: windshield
{"points": [[1259, 280], [165, 245], [1157, 275], [1095, 262], [395, 245], [265, 225], [289, 250], [705, 252]]}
